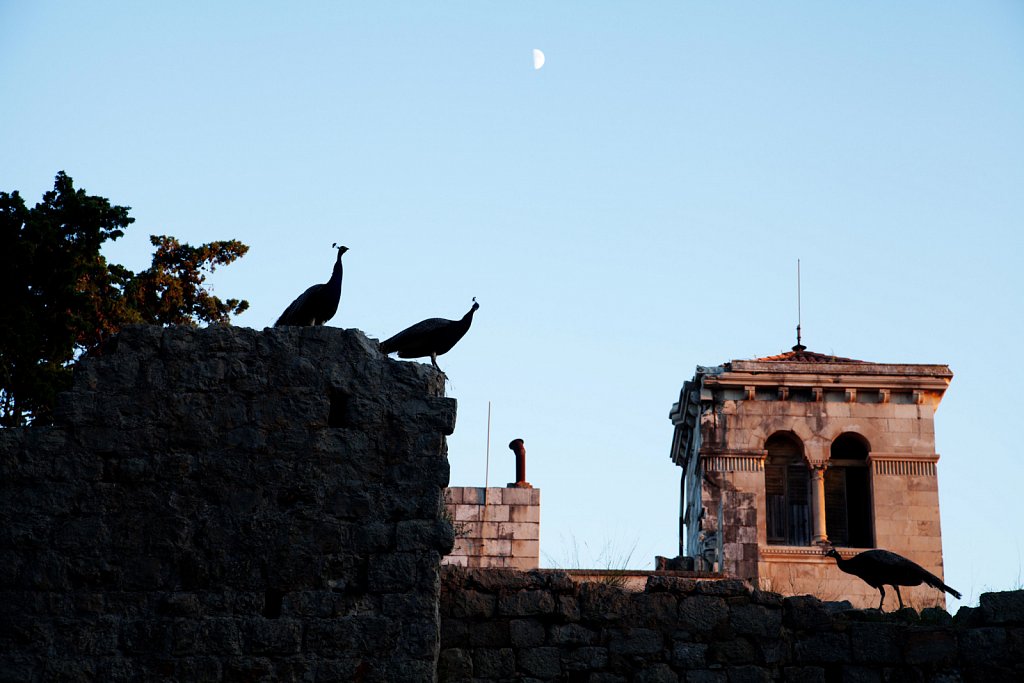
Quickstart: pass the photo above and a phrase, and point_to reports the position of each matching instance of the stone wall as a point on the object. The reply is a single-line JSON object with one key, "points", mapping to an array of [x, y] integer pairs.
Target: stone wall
{"points": [[494, 527], [723, 421], [499, 625], [228, 505]]}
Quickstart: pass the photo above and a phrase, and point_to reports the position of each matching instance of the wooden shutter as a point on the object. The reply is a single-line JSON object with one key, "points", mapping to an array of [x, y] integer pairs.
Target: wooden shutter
{"points": [[836, 518], [799, 532], [775, 500]]}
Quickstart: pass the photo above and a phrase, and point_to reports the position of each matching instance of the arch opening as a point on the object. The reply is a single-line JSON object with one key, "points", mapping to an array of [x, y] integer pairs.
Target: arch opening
{"points": [[787, 491], [848, 519]]}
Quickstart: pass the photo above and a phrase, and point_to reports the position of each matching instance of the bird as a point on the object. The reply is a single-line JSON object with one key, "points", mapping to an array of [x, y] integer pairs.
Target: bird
{"points": [[319, 303], [880, 567], [432, 337]]}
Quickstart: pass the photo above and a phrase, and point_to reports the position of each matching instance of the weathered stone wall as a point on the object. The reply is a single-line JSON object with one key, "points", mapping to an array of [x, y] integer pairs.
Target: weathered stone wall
{"points": [[228, 505], [500, 625], [494, 527], [724, 419]]}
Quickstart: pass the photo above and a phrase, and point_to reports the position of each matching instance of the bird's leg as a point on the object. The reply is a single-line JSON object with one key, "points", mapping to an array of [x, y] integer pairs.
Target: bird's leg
{"points": [[433, 361], [898, 595], [881, 589]]}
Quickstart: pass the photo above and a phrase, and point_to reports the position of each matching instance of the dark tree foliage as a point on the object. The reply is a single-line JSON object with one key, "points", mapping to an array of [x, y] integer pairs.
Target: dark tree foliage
{"points": [[62, 299]]}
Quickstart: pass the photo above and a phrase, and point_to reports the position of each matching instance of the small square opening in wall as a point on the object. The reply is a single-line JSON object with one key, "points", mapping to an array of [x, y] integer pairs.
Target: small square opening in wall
{"points": [[339, 412]]}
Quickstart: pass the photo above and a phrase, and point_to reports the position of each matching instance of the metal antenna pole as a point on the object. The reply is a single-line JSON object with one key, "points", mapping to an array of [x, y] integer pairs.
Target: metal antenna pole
{"points": [[487, 465], [799, 346]]}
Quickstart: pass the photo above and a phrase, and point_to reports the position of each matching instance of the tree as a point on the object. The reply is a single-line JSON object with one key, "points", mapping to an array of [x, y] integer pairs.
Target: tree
{"points": [[63, 299]]}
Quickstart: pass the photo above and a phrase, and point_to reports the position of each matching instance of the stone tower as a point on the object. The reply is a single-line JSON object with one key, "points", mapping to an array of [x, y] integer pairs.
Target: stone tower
{"points": [[784, 454]]}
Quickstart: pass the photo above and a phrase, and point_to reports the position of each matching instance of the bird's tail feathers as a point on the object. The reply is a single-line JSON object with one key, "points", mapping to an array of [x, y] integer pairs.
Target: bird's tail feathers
{"points": [[954, 593], [936, 582]]}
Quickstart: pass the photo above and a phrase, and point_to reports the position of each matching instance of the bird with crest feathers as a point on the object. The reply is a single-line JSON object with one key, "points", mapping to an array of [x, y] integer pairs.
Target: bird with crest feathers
{"points": [[432, 337], [319, 303]]}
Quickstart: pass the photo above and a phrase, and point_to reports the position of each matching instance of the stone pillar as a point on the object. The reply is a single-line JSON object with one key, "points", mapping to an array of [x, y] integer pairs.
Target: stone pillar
{"points": [[818, 504]]}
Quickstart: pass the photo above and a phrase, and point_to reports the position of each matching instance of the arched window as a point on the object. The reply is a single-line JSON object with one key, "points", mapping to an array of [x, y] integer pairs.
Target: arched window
{"points": [[848, 493], [787, 488]]}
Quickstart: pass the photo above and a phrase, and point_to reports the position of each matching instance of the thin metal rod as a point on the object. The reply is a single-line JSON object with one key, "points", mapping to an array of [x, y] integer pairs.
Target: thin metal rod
{"points": [[487, 465], [798, 307]]}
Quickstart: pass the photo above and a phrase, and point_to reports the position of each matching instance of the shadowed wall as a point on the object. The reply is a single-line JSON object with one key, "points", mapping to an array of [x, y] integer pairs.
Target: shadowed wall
{"points": [[227, 504]]}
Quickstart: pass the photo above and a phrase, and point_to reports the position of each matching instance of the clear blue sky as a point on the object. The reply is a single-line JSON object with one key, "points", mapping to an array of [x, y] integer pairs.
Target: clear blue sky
{"points": [[633, 209]]}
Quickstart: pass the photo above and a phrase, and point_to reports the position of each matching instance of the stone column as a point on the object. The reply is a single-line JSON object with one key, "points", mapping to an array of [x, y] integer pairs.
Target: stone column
{"points": [[818, 504]]}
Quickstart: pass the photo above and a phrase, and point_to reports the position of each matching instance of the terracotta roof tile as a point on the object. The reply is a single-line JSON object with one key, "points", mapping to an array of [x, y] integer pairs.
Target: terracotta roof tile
{"points": [[805, 356]]}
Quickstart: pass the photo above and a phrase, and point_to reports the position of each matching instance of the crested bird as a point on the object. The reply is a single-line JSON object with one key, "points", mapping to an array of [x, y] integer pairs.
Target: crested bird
{"points": [[878, 568], [432, 337], [319, 303]]}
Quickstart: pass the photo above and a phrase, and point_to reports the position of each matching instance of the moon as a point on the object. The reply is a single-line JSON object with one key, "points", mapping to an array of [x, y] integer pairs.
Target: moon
{"points": [[538, 59]]}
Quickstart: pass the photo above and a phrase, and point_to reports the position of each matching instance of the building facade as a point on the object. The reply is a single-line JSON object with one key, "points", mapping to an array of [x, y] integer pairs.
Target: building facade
{"points": [[787, 454]]}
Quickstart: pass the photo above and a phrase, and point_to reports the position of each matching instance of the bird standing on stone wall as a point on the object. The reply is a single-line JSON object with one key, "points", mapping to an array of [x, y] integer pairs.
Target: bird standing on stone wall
{"points": [[879, 568], [432, 337], [319, 303]]}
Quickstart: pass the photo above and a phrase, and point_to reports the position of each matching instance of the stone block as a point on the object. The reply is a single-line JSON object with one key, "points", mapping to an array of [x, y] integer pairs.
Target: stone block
{"points": [[656, 673], [469, 513], [541, 662], [529, 550], [1006, 607], [526, 633], [634, 641], [571, 634], [929, 646], [491, 634], [733, 651], [524, 514], [454, 665], [471, 603], [273, 637], [702, 613], [875, 643], [526, 603], [473, 495], [707, 676], [755, 620], [518, 531], [581, 659], [805, 612], [495, 513], [516, 496], [980, 646], [497, 547], [494, 663], [803, 674], [687, 655], [522, 563]]}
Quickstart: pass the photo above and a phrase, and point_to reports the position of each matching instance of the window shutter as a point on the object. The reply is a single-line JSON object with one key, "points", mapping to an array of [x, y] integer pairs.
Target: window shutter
{"points": [[836, 507], [799, 508], [775, 500]]}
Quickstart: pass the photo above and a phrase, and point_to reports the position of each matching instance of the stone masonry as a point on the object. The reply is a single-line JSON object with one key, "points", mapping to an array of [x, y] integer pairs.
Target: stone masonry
{"points": [[501, 626], [727, 415], [495, 527], [228, 505], [232, 505]]}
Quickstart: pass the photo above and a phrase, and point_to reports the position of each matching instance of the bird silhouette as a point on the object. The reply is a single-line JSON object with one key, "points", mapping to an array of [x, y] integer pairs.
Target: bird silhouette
{"points": [[879, 568], [432, 337], [319, 303]]}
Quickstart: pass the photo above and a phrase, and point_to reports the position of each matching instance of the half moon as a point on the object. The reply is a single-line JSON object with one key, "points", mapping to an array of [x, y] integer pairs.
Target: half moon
{"points": [[538, 59]]}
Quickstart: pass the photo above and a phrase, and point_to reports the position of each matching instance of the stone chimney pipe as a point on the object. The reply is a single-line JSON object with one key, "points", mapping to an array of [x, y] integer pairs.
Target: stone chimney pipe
{"points": [[518, 447]]}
